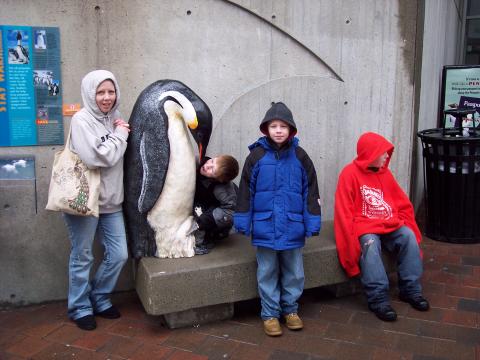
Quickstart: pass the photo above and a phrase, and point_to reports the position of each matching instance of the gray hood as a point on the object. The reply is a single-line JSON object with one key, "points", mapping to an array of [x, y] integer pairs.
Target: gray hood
{"points": [[90, 83]]}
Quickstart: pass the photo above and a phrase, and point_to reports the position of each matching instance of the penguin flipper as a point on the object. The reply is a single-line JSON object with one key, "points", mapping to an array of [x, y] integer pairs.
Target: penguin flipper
{"points": [[154, 156]]}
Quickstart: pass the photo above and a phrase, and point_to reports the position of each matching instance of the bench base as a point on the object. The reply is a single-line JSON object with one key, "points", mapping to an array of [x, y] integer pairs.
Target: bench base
{"points": [[199, 316]]}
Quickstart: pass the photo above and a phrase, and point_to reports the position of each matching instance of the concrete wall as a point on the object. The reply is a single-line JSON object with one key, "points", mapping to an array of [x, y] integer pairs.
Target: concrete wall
{"points": [[343, 67], [439, 46]]}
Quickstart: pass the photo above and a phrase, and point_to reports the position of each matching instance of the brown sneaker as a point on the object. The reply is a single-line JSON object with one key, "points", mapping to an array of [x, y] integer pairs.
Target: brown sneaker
{"points": [[272, 327], [293, 321]]}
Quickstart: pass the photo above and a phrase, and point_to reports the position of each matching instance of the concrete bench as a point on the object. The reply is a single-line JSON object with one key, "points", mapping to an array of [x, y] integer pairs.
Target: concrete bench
{"points": [[203, 288]]}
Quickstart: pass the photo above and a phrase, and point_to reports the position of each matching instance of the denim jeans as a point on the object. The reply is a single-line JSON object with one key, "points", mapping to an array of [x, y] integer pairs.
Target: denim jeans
{"points": [[280, 280], [87, 296], [374, 278]]}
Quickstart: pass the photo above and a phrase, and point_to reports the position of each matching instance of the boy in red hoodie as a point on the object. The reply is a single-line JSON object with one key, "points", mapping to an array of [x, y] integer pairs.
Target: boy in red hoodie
{"points": [[371, 211]]}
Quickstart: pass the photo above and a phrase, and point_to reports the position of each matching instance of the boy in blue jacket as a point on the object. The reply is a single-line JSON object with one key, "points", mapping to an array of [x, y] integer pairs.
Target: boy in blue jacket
{"points": [[278, 205]]}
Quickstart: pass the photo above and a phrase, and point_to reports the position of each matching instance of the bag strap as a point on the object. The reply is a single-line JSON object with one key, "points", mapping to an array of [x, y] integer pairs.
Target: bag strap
{"points": [[67, 142]]}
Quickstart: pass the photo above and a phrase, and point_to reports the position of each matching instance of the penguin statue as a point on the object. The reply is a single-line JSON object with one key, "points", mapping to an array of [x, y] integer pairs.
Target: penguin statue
{"points": [[160, 169]]}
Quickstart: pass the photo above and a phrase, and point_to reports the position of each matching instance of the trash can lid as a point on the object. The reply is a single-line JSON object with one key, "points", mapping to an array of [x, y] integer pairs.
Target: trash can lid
{"points": [[448, 134], [460, 111]]}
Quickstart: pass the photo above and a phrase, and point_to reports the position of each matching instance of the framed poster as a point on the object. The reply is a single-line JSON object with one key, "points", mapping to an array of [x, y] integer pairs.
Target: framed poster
{"points": [[460, 90], [30, 86]]}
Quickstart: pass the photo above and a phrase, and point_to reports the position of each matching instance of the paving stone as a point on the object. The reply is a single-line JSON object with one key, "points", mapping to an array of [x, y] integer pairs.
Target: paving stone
{"points": [[448, 348], [377, 338], [66, 334], [289, 341], [6, 356], [8, 338], [92, 340], [436, 330], [436, 288], [120, 346], [330, 313], [461, 291], [463, 318], [469, 305], [185, 339], [249, 352], [288, 355], [152, 352], [322, 348], [28, 346], [217, 348], [403, 325], [383, 354], [62, 351], [418, 345], [457, 269], [466, 335], [441, 276], [43, 329], [185, 355], [350, 351], [366, 319], [432, 314], [442, 301], [448, 258], [472, 281], [350, 333], [471, 260]]}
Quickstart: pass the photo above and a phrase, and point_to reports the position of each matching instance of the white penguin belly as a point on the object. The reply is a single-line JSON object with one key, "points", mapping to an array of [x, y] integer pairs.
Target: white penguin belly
{"points": [[171, 217]]}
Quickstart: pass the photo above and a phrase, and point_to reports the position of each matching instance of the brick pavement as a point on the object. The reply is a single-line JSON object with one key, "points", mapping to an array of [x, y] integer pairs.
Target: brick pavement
{"points": [[335, 328]]}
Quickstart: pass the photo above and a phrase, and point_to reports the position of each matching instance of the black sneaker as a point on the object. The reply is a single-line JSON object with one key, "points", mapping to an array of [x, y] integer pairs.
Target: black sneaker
{"points": [[418, 302], [384, 312], [110, 313], [86, 322], [204, 248]]}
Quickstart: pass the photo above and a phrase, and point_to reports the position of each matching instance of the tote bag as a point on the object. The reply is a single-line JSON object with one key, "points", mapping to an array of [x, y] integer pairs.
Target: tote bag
{"points": [[74, 188]]}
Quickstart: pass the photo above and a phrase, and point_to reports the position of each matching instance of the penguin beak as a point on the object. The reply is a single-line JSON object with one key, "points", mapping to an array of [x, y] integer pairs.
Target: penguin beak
{"points": [[193, 124], [201, 135]]}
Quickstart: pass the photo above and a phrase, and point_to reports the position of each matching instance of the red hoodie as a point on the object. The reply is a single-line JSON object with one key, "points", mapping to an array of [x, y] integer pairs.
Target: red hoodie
{"points": [[368, 202]]}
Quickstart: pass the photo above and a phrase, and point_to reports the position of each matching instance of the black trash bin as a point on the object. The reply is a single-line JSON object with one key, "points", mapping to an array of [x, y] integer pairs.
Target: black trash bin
{"points": [[451, 165]]}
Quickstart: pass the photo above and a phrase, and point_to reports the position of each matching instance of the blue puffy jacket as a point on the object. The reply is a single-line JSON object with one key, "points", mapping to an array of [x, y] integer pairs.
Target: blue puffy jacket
{"points": [[278, 201]]}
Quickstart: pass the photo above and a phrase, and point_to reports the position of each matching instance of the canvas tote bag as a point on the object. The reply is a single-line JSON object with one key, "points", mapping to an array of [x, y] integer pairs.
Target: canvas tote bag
{"points": [[74, 188]]}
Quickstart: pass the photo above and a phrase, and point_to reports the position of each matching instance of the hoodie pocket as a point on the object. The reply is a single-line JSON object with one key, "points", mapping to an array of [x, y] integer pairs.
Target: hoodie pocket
{"points": [[262, 225]]}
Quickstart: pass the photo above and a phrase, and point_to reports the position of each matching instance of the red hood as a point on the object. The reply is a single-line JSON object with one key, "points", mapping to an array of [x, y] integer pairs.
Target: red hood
{"points": [[369, 147]]}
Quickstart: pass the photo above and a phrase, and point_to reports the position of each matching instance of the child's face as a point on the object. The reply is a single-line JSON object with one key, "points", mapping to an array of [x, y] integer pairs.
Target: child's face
{"points": [[209, 168], [278, 131], [380, 161]]}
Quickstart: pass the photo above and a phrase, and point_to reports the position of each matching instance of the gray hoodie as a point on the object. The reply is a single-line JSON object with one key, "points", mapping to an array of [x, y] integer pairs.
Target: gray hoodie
{"points": [[99, 143]]}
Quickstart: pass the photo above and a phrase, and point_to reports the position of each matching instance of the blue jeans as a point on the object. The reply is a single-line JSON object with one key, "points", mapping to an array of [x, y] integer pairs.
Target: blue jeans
{"points": [[84, 296], [409, 265], [280, 280]]}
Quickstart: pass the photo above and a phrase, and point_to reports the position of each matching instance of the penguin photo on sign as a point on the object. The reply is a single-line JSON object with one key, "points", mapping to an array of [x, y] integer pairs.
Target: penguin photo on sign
{"points": [[160, 169]]}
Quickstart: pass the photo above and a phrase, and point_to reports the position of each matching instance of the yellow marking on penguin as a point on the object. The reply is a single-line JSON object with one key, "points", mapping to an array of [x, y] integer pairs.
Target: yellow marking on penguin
{"points": [[193, 125]]}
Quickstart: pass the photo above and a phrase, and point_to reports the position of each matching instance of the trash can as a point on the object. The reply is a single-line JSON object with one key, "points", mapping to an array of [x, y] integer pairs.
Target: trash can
{"points": [[451, 164]]}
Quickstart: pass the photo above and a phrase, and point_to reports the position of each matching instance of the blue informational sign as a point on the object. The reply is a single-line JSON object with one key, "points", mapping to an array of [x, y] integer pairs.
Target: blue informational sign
{"points": [[30, 86]]}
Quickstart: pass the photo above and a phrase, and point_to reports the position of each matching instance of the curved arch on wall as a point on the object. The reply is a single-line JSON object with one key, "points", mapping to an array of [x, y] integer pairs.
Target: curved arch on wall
{"points": [[286, 33]]}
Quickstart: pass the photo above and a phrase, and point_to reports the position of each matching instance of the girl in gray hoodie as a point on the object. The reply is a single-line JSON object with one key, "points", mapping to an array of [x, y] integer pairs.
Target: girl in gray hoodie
{"points": [[99, 137]]}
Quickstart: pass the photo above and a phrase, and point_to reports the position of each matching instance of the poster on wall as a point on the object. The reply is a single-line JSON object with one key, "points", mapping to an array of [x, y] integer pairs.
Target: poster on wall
{"points": [[460, 90], [30, 86]]}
